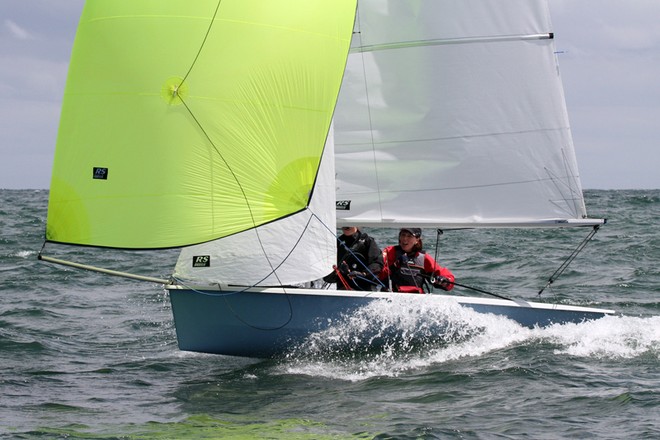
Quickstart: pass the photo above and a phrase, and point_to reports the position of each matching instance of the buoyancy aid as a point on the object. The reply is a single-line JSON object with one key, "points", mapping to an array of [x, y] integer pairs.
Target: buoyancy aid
{"points": [[406, 272]]}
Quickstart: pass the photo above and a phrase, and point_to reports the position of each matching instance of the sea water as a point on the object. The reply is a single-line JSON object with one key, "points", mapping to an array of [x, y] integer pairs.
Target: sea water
{"points": [[86, 355]]}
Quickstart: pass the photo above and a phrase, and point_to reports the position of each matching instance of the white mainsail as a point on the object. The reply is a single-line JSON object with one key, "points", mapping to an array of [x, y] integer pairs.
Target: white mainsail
{"points": [[452, 114]]}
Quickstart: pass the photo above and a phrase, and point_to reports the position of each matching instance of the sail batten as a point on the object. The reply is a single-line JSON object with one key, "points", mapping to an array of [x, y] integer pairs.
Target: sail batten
{"points": [[464, 40]]}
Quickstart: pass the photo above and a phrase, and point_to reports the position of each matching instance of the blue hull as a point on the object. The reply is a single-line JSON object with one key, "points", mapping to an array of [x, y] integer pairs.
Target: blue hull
{"points": [[269, 322]]}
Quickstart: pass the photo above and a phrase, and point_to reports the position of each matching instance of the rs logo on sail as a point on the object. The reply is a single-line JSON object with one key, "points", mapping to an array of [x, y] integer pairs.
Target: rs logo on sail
{"points": [[100, 173], [201, 261]]}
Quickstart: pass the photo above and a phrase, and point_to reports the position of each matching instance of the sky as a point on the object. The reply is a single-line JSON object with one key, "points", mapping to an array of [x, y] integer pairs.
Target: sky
{"points": [[609, 55]]}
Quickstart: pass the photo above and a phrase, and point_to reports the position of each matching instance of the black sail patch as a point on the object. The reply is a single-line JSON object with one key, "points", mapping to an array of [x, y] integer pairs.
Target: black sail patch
{"points": [[201, 261], [100, 173]]}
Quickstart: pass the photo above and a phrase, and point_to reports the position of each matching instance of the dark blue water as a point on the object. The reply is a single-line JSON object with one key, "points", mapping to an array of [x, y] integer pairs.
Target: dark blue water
{"points": [[85, 355]]}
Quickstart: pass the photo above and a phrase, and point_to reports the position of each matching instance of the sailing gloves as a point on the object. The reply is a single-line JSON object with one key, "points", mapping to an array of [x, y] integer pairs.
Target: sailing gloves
{"points": [[442, 283]]}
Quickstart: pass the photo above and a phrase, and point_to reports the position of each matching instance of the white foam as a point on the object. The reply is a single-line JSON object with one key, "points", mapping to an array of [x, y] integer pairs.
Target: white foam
{"points": [[610, 337], [336, 353], [415, 334], [25, 254]]}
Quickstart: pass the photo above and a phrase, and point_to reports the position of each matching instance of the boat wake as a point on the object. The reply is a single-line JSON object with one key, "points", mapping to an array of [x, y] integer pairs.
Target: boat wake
{"points": [[390, 338], [612, 337], [387, 338]]}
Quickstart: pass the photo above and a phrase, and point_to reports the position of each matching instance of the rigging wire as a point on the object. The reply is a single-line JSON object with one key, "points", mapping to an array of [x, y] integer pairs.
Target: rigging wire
{"points": [[362, 263], [570, 259], [367, 95], [201, 46], [239, 185], [243, 289], [220, 155], [439, 232]]}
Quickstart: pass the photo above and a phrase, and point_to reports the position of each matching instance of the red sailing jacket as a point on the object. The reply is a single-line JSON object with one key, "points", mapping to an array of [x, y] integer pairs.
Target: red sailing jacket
{"points": [[408, 273]]}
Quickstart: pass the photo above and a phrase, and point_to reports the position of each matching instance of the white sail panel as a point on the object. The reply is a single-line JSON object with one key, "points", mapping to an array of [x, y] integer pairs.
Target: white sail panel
{"points": [[294, 250], [452, 114]]}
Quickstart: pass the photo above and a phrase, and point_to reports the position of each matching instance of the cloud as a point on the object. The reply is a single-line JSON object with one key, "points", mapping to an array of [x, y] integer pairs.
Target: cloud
{"points": [[16, 31], [36, 37], [608, 60], [607, 26], [610, 68]]}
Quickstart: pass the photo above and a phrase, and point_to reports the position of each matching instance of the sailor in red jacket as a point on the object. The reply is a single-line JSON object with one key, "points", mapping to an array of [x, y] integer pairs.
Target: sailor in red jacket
{"points": [[408, 268]]}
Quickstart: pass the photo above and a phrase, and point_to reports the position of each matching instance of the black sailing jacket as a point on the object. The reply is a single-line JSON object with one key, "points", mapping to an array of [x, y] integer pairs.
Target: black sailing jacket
{"points": [[362, 252]]}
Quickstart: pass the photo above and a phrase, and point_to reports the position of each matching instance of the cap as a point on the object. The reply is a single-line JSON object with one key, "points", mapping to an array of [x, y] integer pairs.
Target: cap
{"points": [[417, 232]]}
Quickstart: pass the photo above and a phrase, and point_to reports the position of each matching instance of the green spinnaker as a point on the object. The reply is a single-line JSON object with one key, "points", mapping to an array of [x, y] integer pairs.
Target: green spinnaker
{"points": [[184, 122]]}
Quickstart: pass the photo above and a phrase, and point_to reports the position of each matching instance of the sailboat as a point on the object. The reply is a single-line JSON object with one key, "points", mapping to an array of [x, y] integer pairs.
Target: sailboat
{"points": [[244, 132]]}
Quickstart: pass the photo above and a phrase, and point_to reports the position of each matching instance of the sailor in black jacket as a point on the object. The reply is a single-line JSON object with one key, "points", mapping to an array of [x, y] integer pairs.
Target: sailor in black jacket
{"points": [[359, 260]]}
